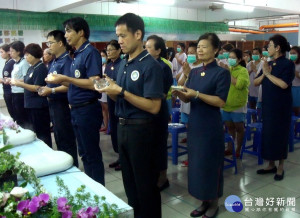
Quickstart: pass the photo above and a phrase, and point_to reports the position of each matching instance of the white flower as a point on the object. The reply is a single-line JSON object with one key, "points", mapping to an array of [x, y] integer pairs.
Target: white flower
{"points": [[3, 198], [8, 208], [18, 192], [19, 213]]}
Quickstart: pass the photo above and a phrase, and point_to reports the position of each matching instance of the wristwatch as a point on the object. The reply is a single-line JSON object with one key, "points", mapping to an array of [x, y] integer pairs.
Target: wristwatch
{"points": [[53, 90], [121, 95]]}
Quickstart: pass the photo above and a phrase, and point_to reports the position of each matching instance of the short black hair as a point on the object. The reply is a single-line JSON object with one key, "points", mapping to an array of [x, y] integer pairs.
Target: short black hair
{"points": [[133, 23], [228, 47], [239, 54], [193, 44], [114, 43], [182, 45], [77, 24], [214, 40], [282, 42], [258, 49], [171, 53], [34, 49], [159, 43], [5, 47], [19, 47], [59, 35]]}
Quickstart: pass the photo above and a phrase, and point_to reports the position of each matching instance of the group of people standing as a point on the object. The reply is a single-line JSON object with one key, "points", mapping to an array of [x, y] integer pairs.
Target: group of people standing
{"points": [[137, 90]]}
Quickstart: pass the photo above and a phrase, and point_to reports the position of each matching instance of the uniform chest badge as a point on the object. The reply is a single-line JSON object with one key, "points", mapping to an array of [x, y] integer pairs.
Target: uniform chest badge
{"points": [[135, 75], [112, 68], [274, 64], [5, 73], [55, 72], [202, 74], [30, 75], [77, 73]]}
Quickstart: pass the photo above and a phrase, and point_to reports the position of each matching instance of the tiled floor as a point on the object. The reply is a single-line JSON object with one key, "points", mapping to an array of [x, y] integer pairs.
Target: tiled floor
{"points": [[177, 203]]}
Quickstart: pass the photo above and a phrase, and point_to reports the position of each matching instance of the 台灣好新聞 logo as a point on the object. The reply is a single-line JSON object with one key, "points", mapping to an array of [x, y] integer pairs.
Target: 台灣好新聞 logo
{"points": [[233, 204]]}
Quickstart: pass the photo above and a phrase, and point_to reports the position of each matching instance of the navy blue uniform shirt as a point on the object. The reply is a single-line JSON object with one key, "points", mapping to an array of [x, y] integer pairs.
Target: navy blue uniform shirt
{"points": [[35, 76], [141, 76], [8, 67], [60, 65], [112, 68], [86, 63]]}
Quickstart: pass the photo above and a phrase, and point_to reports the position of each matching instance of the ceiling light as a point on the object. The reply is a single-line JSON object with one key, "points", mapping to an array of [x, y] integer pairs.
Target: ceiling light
{"points": [[160, 2], [241, 8]]}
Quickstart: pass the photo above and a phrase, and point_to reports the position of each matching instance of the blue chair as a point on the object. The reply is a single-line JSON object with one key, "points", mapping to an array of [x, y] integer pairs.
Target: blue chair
{"points": [[255, 148], [232, 163], [177, 103], [175, 129], [175, 115]]}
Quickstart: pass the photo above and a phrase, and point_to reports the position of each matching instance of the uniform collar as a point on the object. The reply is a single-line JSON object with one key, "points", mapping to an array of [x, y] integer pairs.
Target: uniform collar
{"points": [[17, 62], [8, 61], [212, 64], [62, 56], [139, 58], [37, 64], [82, 47]]}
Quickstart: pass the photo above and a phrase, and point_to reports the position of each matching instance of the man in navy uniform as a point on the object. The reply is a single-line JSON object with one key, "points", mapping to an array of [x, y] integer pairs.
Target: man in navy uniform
{"points": [[86, 111], [138, 92], [57, 95]]}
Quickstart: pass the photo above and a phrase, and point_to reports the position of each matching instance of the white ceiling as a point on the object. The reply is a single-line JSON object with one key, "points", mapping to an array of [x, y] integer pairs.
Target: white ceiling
{"points": [[263, 8]]}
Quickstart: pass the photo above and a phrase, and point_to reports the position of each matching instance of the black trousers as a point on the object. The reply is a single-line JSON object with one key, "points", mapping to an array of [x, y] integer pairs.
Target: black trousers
{"points": [[62, 127], [86, 123], [9, 104], [20, 113], [40, 121], [137, 157]]}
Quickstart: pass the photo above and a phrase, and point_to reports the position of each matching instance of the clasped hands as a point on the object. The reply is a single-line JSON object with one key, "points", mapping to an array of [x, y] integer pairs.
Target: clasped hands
{"points": [[186, 94], [111, 89]]}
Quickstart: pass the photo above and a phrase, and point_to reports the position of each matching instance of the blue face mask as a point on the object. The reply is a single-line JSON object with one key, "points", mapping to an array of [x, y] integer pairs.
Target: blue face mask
{"points": [[221, 56], [178, 49], [255, 57], [231, 62], [293, 57], [265, 53], [104, 60], [191, 59], [226, 54]]}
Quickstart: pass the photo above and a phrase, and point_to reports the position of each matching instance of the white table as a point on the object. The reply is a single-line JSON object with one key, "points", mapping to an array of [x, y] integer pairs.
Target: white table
{"points": [[72, 177]]}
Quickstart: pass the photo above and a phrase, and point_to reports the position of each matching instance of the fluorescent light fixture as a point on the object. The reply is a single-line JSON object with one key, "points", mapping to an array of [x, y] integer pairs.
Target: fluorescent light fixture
{"points": [[160, 2], [241, 8]]}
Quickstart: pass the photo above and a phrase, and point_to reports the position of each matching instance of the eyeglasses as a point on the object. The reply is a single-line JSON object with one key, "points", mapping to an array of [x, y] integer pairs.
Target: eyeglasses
{"points": [[110, 50], [50, 43]]}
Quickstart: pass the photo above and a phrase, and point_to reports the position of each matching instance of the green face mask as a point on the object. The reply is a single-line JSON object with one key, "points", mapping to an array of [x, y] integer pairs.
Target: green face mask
{"points": [[226, 54], [221, 56], [231, 62], [265, 53], [178, 49], [255, 57], [293, 57], [191, 59]]}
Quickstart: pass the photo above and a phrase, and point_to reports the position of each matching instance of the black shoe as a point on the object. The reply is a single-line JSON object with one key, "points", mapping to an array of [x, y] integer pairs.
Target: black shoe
{"points": [[114, 164], [164, 186], [263, 171], [279, 177], [197, 213], [118, 167], [215, 214]]}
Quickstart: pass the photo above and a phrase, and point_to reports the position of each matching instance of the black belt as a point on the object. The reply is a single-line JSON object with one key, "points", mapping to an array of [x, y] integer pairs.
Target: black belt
{"points": [[82, 104], [123, 121]]}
